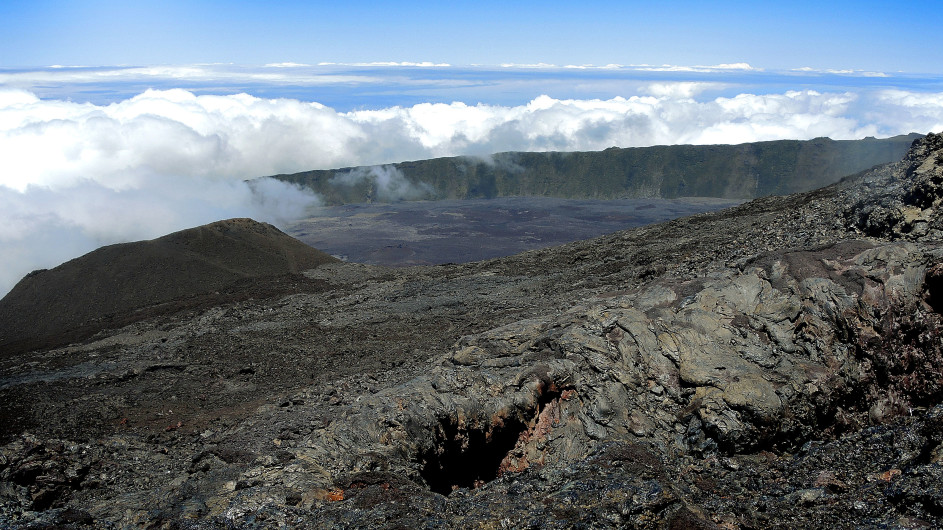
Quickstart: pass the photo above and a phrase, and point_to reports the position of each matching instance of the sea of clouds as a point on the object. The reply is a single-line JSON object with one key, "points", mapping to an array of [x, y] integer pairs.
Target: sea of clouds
{"points": [[75, 175]]}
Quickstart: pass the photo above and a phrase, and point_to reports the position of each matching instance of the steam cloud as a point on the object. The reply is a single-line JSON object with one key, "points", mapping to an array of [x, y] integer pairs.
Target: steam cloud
{"points": [[75, 176], [391, 184]]}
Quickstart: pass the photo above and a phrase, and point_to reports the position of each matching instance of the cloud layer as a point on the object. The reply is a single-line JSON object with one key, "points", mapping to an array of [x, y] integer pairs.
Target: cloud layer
{"points": [[74, 176]]}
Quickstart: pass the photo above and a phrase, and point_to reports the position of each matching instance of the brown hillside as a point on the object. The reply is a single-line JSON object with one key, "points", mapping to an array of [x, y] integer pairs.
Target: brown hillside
{"points": [[119, 283]]}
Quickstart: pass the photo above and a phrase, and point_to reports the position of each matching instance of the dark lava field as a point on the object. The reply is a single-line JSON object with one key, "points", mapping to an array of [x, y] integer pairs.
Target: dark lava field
{"points": [[775, 364], [460, 231]]}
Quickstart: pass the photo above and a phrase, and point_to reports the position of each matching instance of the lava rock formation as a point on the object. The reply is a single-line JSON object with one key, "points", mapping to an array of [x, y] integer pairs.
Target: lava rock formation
{"points": [[777, 364]]}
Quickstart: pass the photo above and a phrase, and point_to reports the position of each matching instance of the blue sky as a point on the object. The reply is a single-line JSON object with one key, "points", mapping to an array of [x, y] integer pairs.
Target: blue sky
{"points": [[122, 121], [865, 35]]}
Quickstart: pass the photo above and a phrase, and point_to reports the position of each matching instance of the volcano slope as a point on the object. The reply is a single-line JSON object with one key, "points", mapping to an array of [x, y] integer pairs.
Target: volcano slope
{"points": [[118, 284], [777, 364]]}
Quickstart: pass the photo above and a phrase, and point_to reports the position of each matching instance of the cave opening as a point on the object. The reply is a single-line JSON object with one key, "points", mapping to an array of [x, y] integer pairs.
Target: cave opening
{"points": [[933, 283], [469, 457]]}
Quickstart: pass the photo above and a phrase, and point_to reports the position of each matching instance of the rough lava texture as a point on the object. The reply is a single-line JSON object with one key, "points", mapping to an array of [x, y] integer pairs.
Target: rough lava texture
{"points": [[775, 365], [908, 207]]}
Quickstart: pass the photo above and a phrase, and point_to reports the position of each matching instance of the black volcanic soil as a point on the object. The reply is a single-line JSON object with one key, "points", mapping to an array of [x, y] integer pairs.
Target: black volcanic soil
{"points": [[775, 365]]}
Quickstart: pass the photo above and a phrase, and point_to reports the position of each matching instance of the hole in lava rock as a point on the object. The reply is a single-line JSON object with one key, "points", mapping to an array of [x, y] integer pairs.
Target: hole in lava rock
{"points": [[933, 283], [468, 458]]}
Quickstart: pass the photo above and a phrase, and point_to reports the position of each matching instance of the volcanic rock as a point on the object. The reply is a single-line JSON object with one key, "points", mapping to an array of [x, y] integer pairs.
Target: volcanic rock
{"points": [[774, 364]]}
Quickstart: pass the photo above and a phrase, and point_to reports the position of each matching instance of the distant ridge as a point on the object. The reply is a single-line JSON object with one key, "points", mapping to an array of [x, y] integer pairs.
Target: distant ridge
{"points": [[106, 287], [744, 171]]}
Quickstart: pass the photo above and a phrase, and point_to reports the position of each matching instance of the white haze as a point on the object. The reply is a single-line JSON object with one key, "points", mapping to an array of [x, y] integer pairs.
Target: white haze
{"points": [[75, 176], [391, 184]]}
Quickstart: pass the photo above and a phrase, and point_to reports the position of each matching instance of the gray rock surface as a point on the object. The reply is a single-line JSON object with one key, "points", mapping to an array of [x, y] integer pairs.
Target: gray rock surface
{"points": [[772, 365]]}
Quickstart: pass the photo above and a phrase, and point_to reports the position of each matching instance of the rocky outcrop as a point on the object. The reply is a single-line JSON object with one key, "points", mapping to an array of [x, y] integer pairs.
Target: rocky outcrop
{"points": [[777, 364], [790, 349], [906, 205]]}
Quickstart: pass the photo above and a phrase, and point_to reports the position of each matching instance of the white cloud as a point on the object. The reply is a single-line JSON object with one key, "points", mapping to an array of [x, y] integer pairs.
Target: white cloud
{"points": [[845, 72], [277, 73], [74, 176], [682, 89], [725, 67], [733, 66], [528, 65], [716, 68], [390, 183], [392, 64], [287, 65], [40, 227], [923, 110]]}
